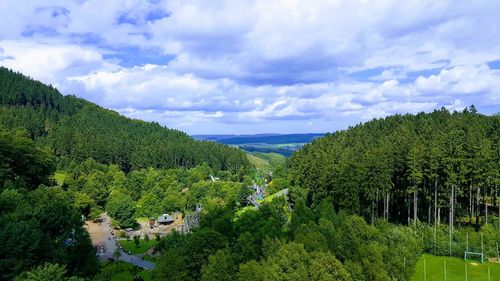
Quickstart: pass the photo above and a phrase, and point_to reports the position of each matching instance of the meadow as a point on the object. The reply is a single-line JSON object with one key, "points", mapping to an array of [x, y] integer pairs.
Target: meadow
{"points": [[455, 269]]}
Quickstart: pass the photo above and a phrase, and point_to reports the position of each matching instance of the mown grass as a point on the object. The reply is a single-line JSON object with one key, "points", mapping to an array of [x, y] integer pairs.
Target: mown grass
{"points": [[272, 157], [130, 246], [259, 163], [455, 269]]}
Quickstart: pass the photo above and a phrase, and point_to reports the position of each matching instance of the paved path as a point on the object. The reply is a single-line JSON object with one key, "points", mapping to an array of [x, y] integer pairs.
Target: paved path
{"points": [[110, 246]]}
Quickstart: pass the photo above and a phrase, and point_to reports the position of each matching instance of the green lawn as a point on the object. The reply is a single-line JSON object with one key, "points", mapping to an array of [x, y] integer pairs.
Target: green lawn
{"points": [[130, 246], [455, 269], [271, 157], [259, 163], [141, 219]]}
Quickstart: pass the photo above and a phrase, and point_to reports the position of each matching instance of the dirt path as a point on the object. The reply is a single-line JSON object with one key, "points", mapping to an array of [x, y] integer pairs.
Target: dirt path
{"points": [[106, 242]]}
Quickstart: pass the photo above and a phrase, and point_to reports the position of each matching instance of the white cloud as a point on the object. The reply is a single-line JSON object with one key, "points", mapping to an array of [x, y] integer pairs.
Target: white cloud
{"points": [[46, 61], [259, 65]]}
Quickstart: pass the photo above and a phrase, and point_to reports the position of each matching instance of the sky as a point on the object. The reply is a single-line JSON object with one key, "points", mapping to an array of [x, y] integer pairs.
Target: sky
{"points": [[242, 67]]}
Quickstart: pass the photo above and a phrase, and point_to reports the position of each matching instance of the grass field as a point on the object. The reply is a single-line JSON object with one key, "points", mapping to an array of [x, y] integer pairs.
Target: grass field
{"points": [[260, 164], [455, 270], [271, 157], [264, 161], [130, 246]]}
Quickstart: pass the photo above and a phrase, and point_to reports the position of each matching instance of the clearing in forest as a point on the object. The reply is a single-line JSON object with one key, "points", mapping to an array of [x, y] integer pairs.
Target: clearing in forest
{"points": [[455, 269]]}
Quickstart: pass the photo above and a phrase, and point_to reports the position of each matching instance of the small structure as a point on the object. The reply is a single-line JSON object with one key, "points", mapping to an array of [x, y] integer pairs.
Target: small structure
{"points": [[258, 195], [165, 219], [192, 220], [178, 218], [152, 222]]}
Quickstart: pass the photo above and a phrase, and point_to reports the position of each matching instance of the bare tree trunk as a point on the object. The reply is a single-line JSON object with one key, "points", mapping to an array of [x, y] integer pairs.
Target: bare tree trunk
{"points": [[486, 208], [415, 206], [439, 215], [429, 214], [485, 204], [435, 201], [387, 206], [452, 201], [471, 210], [408, 210], [478, 207], [373, 211]]}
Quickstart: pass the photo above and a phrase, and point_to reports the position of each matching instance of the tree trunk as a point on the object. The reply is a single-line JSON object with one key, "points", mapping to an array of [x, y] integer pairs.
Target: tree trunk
{"points": [[485, 204], [439, 215], [387, 206], [471, 210], [429, 214], [408, 210], [486, 208], [478, 208], [450, 228], [435, 200], [452, 201], [373, 210], [415, 206]]}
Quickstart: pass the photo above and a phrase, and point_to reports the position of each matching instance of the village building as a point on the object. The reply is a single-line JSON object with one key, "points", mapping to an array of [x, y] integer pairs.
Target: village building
{"points": [[165, 219]]}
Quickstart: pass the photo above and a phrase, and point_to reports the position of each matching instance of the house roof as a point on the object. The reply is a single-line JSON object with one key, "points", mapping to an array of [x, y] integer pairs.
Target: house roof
{"points": [[165, 218]]}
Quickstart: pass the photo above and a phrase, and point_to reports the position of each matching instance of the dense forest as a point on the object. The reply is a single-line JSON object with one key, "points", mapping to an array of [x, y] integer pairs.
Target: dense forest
{"points": [[38, 224], [437, 167], [76, 130]]}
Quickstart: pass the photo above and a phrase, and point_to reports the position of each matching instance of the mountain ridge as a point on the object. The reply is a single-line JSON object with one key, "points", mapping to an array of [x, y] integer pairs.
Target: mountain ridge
{"points": [[75, 129]]}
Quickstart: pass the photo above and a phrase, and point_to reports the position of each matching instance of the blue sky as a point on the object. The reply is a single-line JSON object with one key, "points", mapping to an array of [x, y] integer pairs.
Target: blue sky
{"points": [[225, 67]]}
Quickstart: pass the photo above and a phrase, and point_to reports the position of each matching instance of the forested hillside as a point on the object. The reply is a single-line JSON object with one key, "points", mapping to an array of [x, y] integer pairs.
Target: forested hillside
{"points": [[75, 130], [427, 167], [37, 224]]}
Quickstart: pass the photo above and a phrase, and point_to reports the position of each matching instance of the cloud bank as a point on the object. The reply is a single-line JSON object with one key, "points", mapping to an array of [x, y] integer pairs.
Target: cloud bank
{"points": [[260, 66]]}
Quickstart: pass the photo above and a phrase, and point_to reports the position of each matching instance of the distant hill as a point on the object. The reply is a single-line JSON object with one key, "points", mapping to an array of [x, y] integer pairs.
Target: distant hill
{"points": [[75, 129], [261, 138], [284, 144]]}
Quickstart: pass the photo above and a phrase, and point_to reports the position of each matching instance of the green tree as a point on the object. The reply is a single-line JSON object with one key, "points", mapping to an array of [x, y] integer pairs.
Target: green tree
{"points": [[122, 208], [47, 272], [22, 162], [220, 267]]}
